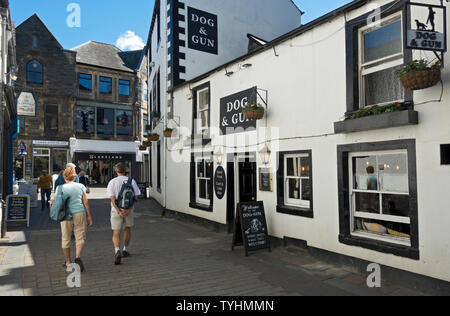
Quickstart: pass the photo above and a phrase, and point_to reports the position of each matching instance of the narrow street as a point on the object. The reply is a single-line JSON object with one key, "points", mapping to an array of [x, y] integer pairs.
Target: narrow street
{"points": [[169, 257]]}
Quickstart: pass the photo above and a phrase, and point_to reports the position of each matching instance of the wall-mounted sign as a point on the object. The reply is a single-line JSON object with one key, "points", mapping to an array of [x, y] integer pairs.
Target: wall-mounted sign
{"points": [[103, 156], [203, 31], [220, 182], [250, 227], [265, 179], [18, 209], [21, 147], [425, 27], [232, 120], [49, 143], [26, 104]]}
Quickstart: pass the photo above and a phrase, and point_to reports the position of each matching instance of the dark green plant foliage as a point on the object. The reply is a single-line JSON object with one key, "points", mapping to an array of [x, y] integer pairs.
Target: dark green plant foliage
{"points": [[418, 65], [375, 110], [252, 107]]}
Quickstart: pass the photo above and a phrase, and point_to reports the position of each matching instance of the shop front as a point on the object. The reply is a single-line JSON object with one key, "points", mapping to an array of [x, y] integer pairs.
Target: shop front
{"points": [[99, 167]]}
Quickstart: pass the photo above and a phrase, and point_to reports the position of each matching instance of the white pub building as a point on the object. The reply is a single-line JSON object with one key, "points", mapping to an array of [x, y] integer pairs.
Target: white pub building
{"points": [[348, 159]]}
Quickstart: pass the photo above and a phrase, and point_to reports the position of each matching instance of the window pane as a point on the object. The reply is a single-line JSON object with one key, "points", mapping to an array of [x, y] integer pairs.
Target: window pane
{"points": [[383, 87], [367, 202], [105, 122], [40, 164], [306, 189], [383, 42], [294, 189], [124, 123], [202, 189], [209, 170], [85, 82], [59, 160], [293, 167], [201, 169], [203, 99], [105, 85], [124, 87], [396, 205], [85, 120], [204, 116], [393, 173], [365, 173], [383, 228], [305, 166]]}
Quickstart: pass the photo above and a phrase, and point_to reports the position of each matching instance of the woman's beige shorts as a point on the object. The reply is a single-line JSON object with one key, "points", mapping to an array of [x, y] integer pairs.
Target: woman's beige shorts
{"points": [[78, 226]]}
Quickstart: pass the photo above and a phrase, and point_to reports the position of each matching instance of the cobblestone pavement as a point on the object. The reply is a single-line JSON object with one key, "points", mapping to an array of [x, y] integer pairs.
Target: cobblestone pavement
{"points": [[169, 257]]}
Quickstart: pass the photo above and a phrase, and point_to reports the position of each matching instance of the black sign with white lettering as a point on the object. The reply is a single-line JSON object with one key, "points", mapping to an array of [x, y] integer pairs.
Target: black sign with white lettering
{"points": [[220, 182], [232, 119], [203, 31], [143, 188], [250, 227], [428, 27], [103, 156]]}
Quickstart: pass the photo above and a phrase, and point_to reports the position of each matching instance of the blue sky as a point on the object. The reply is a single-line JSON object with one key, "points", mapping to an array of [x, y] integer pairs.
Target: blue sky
{"points": [[108, 20]]}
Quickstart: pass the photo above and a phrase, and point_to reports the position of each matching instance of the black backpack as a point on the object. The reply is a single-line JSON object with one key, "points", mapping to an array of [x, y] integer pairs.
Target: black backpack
{"points": [[126, 200]]}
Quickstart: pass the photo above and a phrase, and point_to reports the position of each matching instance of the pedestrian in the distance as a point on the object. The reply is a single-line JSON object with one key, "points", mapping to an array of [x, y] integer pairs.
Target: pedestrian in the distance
{"points": [[61, 181], [84, 180], [121, 217], [45, 184], [81, 216]]}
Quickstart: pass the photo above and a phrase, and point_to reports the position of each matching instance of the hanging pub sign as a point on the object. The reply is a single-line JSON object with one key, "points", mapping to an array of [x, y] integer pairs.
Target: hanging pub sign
{"points": [[232, 119], [425, 27], [26, 104], [203, 31]]}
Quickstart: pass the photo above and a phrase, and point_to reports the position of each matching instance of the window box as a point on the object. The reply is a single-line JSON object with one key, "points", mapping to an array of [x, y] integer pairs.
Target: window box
{"points": [[384, 120]]}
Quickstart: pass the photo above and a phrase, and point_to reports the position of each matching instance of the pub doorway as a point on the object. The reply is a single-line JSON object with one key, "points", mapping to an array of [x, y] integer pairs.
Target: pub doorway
{"points": [[241, 183]]}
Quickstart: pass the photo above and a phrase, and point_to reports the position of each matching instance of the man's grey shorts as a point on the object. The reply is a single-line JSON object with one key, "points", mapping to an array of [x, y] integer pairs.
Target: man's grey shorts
{"points": [[117, 222]]}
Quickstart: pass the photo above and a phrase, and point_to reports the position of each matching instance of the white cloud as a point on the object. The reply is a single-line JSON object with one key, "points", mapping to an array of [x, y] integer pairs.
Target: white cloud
{"points": [[129, 41]]}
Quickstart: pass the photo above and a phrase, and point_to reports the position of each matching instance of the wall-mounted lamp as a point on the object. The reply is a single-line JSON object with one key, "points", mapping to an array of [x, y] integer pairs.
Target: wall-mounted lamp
{"points": [[189, 95], [218, 157], [265, 154]]}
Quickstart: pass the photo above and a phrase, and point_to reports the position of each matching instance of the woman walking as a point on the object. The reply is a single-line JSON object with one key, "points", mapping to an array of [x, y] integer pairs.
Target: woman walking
{"points": [[81, 216]]}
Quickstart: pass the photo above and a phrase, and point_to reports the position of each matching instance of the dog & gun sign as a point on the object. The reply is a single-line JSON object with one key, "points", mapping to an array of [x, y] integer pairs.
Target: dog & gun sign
{"points": [[425, 27]]}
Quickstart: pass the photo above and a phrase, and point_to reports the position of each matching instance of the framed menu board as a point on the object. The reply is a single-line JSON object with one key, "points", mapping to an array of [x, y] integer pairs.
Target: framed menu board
{"points": [[265, 179]]}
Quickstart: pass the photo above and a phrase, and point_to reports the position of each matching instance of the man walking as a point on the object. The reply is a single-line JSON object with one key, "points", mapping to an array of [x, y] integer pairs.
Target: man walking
{"points": [[45, 184], [121, 218]]}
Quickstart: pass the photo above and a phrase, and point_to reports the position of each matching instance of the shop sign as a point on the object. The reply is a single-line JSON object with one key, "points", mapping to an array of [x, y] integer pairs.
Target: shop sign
{"points": [[203, 31], [232, 119], [49, 143], [26, 104], [103, 156], [427, 29], [18, 209]]}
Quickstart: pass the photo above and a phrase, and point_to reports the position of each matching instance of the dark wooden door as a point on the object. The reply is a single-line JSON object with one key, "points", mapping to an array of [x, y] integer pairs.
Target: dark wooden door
{"points": [[247, 181]]}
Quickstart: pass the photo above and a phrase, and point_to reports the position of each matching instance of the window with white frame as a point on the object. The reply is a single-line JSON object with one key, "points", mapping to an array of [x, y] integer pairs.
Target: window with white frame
{"points": [[203, 111], [379, 196], [297, 176], [203, 175], [381, 56]]}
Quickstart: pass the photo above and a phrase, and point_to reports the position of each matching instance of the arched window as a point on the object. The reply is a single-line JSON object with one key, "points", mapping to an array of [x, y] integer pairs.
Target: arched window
{"points": [[34, 72]]}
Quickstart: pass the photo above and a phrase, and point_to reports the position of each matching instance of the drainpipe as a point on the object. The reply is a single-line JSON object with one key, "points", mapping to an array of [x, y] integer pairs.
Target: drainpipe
{"points": [[4, 49]]}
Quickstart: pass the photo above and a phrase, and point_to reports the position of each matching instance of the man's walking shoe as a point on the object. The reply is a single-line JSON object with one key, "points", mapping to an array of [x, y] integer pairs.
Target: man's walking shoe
{"points": [[118, 258], [80, 263], [125, 254]]}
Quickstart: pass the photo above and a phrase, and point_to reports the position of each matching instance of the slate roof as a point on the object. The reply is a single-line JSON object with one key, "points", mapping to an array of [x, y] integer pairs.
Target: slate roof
{"points": [[107, 56]]}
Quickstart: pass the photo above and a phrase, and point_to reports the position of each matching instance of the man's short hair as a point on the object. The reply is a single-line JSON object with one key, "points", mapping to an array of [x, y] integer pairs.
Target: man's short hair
{"points": [[120, 168], [70, 165]]}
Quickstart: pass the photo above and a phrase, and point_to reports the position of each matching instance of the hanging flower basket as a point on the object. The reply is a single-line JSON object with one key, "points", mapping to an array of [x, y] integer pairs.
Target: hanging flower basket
{"points": [[419, 75], [153, 137], [143, 147], [146, 144], [168, 132], [253, 112]]}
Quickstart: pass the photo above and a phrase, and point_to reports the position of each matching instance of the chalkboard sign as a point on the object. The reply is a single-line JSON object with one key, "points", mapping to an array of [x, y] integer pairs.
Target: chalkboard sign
{"points": [[18, 208], [220, 182], [265, 179], [143, 188], [250, 227]]}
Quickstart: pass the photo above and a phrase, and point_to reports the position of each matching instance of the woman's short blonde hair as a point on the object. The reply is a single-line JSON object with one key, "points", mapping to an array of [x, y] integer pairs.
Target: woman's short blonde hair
{"points": [[69, 174]]}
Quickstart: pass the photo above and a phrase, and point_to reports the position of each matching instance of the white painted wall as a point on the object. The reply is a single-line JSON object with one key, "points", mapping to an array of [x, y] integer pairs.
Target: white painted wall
{"points": [[307, 93]]}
